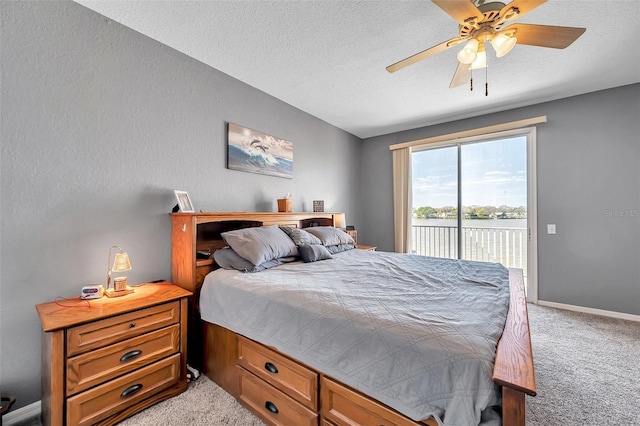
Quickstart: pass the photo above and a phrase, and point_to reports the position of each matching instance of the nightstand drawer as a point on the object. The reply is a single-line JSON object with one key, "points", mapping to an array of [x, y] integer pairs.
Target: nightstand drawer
{"points": [[95, 367], [290, 377], [272, 405], [101, 333], [103, 401]]}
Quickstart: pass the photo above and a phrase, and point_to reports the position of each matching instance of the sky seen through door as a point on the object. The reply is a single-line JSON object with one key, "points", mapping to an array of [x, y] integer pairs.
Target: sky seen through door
{"points": [[494, 173]]}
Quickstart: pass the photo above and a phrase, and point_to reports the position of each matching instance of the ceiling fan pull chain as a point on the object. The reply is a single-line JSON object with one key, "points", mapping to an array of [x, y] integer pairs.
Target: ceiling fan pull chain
{"points": [[471, 81], [486, 78]]}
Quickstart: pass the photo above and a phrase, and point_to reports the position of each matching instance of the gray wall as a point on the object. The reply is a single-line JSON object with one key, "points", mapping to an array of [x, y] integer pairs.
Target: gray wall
{"points": [[588, 160], [99, 125]]}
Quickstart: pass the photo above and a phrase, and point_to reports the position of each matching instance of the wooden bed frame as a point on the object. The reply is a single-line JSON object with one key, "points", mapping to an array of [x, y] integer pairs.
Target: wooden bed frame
{"points": [[216, 350]]}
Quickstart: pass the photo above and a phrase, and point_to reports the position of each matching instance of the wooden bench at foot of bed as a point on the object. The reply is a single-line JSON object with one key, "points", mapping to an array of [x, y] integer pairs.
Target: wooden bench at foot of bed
{"points": [[230, 362]]}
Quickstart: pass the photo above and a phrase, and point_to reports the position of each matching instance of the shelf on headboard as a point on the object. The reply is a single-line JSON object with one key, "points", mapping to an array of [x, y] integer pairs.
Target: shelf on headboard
{"points": [[204, 262]]}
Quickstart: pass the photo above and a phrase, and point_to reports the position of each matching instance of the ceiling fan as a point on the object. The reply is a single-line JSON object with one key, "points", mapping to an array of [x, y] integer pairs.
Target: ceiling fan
{"points": [[482, 22]]}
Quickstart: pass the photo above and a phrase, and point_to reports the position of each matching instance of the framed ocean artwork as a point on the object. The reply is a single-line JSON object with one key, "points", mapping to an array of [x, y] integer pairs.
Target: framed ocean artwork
{"points": [[256, 152]]}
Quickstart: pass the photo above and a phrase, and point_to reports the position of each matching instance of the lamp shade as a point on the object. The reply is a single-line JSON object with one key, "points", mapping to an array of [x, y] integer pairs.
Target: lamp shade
{"points": [[481, 61], [503, 44], [469, 52], [121, 262], [339, 220]]}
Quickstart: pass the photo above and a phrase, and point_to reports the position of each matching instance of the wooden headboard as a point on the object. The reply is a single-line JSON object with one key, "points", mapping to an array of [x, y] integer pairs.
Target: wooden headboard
{"points": [[193, 232]]}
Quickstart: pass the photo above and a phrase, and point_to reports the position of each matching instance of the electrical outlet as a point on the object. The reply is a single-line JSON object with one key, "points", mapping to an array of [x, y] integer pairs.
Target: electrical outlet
{"points": [[551, 229]]}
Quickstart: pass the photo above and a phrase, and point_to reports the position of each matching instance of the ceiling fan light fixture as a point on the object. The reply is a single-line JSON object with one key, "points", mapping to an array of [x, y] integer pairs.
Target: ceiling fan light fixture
{"points": [[469, 53], [481, 61], [503, 44]]}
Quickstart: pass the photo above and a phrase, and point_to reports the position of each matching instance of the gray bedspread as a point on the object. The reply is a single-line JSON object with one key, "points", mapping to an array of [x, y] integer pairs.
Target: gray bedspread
{"points": [[417, 333]]}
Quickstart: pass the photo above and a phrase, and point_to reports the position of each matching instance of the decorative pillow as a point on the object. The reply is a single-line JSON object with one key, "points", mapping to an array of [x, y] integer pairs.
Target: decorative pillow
{"points": [[340, 247], [261, 244], [300, 236], [314, 252], [226, 258], [330, 236]]}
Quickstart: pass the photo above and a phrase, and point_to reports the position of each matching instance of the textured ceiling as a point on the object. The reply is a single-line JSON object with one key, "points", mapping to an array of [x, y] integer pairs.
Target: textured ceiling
{"points": [[328, 58]]}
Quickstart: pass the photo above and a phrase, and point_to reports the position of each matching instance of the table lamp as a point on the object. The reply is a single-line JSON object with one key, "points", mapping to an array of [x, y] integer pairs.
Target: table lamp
{"points": [[339, 220], [121, 263]]}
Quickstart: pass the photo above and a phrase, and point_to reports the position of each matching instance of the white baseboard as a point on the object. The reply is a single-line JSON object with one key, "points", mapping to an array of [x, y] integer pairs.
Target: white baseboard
{"points": [[21, 414], [602, 312]]}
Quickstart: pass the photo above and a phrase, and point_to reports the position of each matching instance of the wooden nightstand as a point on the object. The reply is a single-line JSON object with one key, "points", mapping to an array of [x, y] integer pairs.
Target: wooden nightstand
{"points": [[367, 248], [106, 359]]}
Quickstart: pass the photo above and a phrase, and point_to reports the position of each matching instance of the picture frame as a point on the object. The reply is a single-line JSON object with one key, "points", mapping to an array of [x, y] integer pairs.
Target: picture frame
{"points": [[184, 202], [318, 205], [253, 151]]}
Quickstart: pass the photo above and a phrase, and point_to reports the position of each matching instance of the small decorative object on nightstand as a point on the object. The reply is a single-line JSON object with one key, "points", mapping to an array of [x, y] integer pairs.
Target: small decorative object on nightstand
{"points": [[353, 233], [106, 359]]}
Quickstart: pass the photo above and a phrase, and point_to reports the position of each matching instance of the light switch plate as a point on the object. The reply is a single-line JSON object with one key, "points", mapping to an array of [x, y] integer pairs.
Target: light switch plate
{"points": [[551, 229]]}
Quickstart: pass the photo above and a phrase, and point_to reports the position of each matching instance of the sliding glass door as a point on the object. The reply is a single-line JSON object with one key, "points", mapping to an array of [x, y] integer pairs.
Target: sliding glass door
{"points": [[471, 200], [493, 188]]}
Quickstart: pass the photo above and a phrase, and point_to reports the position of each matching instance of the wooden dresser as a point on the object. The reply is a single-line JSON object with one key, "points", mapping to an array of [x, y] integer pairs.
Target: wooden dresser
{"points": [[106, 359]]}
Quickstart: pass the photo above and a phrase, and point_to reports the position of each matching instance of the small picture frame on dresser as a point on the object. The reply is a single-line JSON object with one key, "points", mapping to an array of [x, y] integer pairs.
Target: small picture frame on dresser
{"points": [[318, 206]]}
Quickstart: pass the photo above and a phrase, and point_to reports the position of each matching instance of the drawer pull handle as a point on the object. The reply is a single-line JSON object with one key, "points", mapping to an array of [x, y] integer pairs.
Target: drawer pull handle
{"points": [[131, 325], [271, 368], [271, 407], [130, 355], [130, 390]]}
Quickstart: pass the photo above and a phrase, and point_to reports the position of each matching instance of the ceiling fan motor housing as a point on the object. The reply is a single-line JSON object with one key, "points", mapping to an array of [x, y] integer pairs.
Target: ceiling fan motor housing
{"points": [[490, 23]]}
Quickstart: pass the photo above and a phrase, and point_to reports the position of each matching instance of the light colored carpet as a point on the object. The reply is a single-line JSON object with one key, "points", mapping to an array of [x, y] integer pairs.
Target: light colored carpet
{"points": [[204, 403], [587, 369], [587, 372]]}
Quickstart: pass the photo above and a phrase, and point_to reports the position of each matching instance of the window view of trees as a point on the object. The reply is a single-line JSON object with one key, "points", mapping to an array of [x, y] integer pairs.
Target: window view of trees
{"points": [[471, 212]]}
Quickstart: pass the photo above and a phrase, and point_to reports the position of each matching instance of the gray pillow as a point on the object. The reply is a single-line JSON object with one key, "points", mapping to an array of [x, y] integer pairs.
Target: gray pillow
{"points": [[300, 236], [340, 248], [330, 236], [314, 252], [261, 244], [226, 258]]}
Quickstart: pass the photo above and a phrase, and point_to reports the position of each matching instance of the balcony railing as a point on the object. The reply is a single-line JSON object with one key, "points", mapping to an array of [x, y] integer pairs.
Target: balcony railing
{"points": [[507, 246]]}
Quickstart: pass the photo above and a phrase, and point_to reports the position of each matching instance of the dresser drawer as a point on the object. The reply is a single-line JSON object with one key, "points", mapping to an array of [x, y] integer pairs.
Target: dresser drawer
{"points": [[103, 401], [273, 406], [95, 367], [295, 380], [345, 407], [101, 333]]}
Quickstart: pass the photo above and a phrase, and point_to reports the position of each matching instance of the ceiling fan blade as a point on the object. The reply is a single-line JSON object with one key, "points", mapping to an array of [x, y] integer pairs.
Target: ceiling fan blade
{"points": [[545, 35], [424, 54], [460, 10], [523, 6], [461, 76]]}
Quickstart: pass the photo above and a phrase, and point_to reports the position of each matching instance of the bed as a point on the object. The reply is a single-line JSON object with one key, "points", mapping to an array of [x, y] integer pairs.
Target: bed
{"points": [[324, 378]]}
